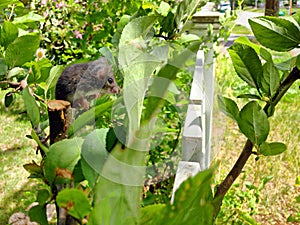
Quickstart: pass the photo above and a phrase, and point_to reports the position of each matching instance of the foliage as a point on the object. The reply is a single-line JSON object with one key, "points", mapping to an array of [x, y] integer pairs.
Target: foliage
{"points": [[269, 81], [150, 50], [255, 65], [78, 29]]}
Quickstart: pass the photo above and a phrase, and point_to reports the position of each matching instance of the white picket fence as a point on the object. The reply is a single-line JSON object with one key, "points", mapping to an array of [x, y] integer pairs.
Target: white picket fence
{"points": [[198, 123]]}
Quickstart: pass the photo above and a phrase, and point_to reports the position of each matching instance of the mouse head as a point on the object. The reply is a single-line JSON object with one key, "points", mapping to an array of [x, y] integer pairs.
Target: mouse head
{"points": [[106, 77]]}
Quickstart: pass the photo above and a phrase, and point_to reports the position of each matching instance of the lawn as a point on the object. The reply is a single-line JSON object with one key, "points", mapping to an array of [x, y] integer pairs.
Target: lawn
{"points": [[16, 191]]}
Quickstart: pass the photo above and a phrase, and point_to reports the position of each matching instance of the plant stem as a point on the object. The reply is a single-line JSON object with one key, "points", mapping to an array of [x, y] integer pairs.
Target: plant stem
{"points": [[247, 150]]}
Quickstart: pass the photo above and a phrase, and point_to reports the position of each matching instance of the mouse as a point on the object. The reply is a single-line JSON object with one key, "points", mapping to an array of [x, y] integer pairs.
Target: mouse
{"points": [[80, 83]]}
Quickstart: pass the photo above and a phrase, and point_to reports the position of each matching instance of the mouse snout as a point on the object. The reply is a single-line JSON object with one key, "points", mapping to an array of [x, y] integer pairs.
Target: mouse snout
{"points": [[115, 90]]}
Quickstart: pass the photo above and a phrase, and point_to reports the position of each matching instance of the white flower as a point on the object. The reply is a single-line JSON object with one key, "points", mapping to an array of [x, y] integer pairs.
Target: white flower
{"points": [[40, 53]]}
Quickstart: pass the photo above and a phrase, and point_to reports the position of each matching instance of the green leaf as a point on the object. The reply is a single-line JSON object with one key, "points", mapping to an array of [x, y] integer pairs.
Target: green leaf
{"points": [[284, 34], [8, 99], [88, 117], [246, 217], [16, 71], [35, 137], [163, 9], [34, 169], [93, 155], [270, 81], [5, 3], [138, 65], [228, 107], [258, 48], [43, 196], [32, 108], [38, 214], [185, 11], [21, 50], [8, 33], [3, 67], [29, 18], [61, 160], [249, 96], [246, 64], [150, 212], [53, 77], [124, 20], [296, 17], [192, 204], [298, 62], [270, 149], [254, 123], [75, 202]]}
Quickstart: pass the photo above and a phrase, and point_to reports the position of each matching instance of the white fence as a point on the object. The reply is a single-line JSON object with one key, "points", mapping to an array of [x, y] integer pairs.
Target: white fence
{"points": [[198, 123]]}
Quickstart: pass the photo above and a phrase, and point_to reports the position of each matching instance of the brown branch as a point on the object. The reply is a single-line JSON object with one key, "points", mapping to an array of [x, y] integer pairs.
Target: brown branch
{"points": [[15, 85], [247, 150]]}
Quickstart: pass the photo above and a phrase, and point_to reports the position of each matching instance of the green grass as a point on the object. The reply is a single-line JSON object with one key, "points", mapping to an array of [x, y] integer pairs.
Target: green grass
{"points": [[17, 192], [277, 200], [240, 29]]}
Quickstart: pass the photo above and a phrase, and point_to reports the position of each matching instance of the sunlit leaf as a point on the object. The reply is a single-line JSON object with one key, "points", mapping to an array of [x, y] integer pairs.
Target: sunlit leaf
{"points": [[271, 79], [253, 123], [246, 64], [8, 33], [61, 159], [75, 202], [21, 50], [284, 34]]}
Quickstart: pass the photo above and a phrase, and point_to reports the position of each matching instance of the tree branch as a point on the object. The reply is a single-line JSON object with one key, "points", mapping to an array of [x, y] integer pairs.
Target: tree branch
{"points": [[247, 150]]}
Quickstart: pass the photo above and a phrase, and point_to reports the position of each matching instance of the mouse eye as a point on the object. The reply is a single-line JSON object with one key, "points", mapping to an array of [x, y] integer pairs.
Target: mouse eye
{"points": [[110, 80]]}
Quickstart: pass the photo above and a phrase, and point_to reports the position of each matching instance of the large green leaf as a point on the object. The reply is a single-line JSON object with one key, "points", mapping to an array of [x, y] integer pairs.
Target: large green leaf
{"points": [[253, 123], [61, 160], [270, 81], [192, 204], [93, 155], [32, 108], [137, 65], [228, 107], [75, 202], [8, 33], [246, 64], [275, 33], [21, 50]]}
